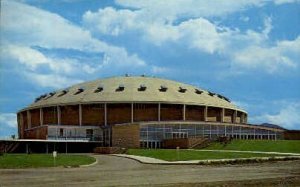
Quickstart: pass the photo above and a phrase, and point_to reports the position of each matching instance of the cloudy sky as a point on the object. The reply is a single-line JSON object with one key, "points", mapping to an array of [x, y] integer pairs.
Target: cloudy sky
{"points": [[247, 50]]}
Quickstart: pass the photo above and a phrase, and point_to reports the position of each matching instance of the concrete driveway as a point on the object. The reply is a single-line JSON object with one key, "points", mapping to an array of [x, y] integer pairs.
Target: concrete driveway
{"points": [[117, 171]]}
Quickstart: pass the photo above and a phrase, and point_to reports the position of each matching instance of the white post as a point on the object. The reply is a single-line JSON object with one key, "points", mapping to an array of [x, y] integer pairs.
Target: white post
{"points": [[58, 116], [131, 112], [41, 116], [80, 115], [184, 108], [222, 114], [158, 111], [205, 113], [105, 114]]}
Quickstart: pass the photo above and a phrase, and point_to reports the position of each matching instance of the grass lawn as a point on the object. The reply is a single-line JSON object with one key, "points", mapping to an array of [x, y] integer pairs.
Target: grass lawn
{"points": [[284, 146], [172, 155], [42, 160]]}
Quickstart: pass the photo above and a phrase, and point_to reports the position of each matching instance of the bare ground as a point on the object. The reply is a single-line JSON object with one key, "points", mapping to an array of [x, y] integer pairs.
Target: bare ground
{"points": [[116, 171]]}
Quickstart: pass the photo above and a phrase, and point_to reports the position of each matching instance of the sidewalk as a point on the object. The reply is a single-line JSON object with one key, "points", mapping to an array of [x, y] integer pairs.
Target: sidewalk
{"points": [[235, 151], [148, 160]]}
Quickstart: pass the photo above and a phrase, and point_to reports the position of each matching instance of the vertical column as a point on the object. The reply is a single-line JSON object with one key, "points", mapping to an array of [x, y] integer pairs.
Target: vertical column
{"points": [[58, 116], [105, 114], [158, 111], [184, 109], [41, 116], [210, 131], [80, 115], [222, 114], [28, 119], [131, 112], [205, 113], [234, 116]]}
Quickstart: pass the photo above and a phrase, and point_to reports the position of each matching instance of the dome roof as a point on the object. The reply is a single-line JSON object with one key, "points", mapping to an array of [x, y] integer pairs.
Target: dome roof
{"points": [[133, 89]]}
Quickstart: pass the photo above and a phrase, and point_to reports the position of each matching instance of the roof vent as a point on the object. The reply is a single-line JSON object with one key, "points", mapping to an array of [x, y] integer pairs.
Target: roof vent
{"points": [[127, 75], [120, 88], [142, 87], [50, 95], [99, 89], [182, 90], [197, 91], [64, 92], [211, 93], [226, 99], [79, 91], [40, 97], [163, 88]]}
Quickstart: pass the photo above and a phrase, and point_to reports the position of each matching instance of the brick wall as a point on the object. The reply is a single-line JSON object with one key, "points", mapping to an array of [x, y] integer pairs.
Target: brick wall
{"points": [[93, 114], [35, 117], [228, 117], [194, 113], [37, 133], [69, 115], [145, 112], [127, 136], [118, 113], [171, 112], [50, 115], [214, 114]]}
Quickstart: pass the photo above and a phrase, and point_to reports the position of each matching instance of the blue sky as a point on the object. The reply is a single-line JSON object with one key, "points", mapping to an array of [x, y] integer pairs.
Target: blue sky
{"points": [[247, 50]]}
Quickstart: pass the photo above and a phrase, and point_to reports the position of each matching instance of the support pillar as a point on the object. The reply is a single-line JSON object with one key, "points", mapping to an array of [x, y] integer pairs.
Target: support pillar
{"points": [[41, 117], [58, 116], [80, 115], [131, 112], [184, 109], [158, 111], [222, 114], [234, 116], [205, 113], [105, 114], [28, 119]]}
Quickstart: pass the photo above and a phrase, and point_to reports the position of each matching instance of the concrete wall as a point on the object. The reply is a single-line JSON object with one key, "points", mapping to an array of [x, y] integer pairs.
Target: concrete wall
{"points": [[126, 136]]}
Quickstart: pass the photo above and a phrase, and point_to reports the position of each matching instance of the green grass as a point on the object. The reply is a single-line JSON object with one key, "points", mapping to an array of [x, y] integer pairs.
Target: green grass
{"points": [[172, 155], [42, 160], [283, 146]]}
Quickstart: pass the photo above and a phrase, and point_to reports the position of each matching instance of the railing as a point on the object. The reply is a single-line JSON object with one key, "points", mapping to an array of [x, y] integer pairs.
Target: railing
{"points": [[76, 138]]}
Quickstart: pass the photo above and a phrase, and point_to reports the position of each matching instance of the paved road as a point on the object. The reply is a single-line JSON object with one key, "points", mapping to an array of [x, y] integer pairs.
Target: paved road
{"points": [[116, 171]]}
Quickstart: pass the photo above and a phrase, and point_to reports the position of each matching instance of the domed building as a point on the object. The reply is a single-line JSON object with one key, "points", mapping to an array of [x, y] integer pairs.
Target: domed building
{"points": [[133, 111]]}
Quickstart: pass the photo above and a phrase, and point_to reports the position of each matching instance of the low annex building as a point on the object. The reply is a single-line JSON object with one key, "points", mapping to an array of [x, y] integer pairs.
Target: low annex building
{"points": [[134, 111]]}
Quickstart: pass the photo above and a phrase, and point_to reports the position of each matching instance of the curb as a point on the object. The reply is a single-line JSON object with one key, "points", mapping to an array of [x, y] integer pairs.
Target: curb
{"points": [[88, 165], [141, 159]]}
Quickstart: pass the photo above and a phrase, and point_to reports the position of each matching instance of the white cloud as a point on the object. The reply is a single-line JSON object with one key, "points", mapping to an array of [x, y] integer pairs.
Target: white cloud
{"points": [[29, 26], [279, 2], [288, 116], [8, 120]]}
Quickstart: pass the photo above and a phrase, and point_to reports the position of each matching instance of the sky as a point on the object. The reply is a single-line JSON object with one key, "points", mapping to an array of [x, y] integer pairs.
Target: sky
{"points": [[247, 50]]}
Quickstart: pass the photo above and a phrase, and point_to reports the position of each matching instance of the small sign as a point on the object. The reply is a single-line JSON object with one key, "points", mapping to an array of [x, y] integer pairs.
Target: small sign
{"points": [[54, 154]]}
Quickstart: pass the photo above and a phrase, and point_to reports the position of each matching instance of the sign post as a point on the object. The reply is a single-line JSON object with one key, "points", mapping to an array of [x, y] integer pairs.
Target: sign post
{"points": [[54, 158]]}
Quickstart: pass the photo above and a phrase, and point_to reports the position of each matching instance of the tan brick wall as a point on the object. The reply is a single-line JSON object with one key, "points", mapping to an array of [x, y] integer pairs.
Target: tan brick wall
{"points": [[69, 115], [93, 114], [145, 112], [50, 115], [194, 113], [213, 114], [169, 112], [118, 113], [228, 116], [35, 117], [127, 136]]}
